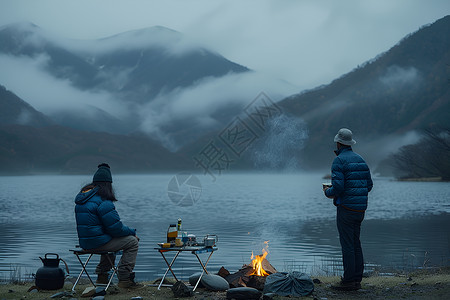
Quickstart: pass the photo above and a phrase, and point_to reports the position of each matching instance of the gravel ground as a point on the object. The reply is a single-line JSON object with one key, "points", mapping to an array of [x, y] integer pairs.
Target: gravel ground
{"points": [[419, 285]]}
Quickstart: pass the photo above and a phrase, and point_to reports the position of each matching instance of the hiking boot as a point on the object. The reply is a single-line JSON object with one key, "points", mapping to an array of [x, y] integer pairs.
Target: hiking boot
{"points": [[346, 286], [102, 278], [129, 283]]}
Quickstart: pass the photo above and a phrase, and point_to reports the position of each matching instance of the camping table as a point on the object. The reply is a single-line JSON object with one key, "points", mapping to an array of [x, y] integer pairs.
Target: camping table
{"points": [[193, 250]]}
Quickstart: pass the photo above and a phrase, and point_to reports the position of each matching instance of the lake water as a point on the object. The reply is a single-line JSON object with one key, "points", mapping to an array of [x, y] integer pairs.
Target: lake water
{"points": [[407, 224]]}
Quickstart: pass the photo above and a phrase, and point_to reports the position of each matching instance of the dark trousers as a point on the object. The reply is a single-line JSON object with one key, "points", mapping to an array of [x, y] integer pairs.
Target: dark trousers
{"points": [[349, 227]]}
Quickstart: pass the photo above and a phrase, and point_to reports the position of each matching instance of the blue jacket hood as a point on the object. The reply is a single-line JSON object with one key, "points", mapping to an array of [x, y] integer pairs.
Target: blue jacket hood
{"points": [[97, 220], [83, 197]]}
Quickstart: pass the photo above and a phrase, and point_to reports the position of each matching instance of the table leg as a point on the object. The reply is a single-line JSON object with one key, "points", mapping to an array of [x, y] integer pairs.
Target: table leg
{"points": [[204, 269], [169, 268], [204, 266]]}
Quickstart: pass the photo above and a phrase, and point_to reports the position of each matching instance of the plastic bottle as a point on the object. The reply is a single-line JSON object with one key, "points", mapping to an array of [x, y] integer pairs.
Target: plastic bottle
{"points": [[172, 233]]}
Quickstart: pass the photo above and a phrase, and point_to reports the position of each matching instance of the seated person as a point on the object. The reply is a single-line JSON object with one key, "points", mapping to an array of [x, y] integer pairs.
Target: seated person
{"points": [[100, 229]]}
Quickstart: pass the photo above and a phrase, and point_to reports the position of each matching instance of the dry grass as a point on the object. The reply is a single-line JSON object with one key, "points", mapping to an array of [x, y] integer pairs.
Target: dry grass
{"points": [[417, 285]]}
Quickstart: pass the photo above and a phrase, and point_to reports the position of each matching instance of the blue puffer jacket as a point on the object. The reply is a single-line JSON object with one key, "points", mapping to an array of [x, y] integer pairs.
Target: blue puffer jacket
{"points": [[351, 180], [97, 220]]}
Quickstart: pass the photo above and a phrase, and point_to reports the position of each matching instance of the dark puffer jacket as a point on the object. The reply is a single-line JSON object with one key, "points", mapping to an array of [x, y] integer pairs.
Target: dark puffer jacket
{"points": [[351, 180], [97, 220]]}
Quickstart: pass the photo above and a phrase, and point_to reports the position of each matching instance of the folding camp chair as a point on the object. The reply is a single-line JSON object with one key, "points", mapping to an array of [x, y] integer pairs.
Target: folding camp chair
{"points": [[81, 252]]}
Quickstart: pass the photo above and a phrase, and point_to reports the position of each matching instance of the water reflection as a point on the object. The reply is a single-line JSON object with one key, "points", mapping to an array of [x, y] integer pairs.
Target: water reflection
{"points": [[406, 225]]}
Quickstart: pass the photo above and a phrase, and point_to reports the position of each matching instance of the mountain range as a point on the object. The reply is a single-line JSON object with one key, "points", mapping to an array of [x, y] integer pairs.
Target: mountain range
{"points": [[154, 99], [138, 65], [16, 111], [154, 81], [30, 142], [384, 101]]}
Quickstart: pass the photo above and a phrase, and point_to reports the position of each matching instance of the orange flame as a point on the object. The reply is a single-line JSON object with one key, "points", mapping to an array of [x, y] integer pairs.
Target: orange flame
{"points": [[257, 260]]}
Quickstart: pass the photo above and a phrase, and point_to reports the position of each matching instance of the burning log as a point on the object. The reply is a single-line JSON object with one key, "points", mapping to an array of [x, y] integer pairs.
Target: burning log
{"points": [[245, 278], [223, 272], [252, 275], [240, 278], [257, 282]]}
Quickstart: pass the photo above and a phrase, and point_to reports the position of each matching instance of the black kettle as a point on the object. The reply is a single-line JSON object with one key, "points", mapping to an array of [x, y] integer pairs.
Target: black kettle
{"points": [[50, 276]]}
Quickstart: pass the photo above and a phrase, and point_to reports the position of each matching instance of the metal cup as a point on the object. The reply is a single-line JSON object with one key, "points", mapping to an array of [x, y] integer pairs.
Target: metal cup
{"points": [[326, 185]]}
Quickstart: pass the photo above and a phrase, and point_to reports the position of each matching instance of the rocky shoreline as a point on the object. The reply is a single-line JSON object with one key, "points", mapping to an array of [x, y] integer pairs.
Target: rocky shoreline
{"points": [[418, 285]]}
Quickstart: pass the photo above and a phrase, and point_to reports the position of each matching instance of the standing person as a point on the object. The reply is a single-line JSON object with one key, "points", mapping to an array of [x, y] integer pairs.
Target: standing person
{"points": [[351, 182], [100, 229]]}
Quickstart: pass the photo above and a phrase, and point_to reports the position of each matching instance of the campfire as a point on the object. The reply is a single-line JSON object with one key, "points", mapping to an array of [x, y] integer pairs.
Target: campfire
{"points": [[257, 262], [251, 275]]}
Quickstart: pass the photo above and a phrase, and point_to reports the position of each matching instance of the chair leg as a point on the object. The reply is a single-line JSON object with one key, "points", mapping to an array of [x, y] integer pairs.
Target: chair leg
{"points": [[114, 267], [83, 270]]}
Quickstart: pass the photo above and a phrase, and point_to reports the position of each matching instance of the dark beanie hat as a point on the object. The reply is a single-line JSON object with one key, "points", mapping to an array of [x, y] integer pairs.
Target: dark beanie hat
{"points": [[103, 173]]}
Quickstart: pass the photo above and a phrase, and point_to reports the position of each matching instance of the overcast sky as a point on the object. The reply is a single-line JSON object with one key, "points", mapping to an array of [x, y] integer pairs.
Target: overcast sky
{"points": [[306, 43]]}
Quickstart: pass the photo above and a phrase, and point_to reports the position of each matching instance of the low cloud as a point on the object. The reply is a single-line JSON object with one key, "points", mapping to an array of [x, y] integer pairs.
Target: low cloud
{"points": [[198, 107], [173, 118], [27, 78], [305, 42], [397, 76], [394, 142], [24, 117], [381, 147], [174, 42]]}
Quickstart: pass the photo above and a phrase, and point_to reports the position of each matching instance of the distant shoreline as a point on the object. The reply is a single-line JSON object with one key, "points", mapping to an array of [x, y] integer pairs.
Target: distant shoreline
{"points": [[423, 179], [411, 179]]}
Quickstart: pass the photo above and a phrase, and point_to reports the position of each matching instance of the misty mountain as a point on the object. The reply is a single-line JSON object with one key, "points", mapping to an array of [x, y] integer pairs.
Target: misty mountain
{"points": [[57, 149], [140, 63], [153, 63], [28, 40], [121, 81], [384, 100], [31, 143], [92, 118], [14, 110]]}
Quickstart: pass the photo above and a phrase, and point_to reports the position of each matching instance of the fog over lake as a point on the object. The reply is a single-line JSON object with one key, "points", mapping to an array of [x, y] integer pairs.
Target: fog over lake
{"points": [[407, 224]]}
